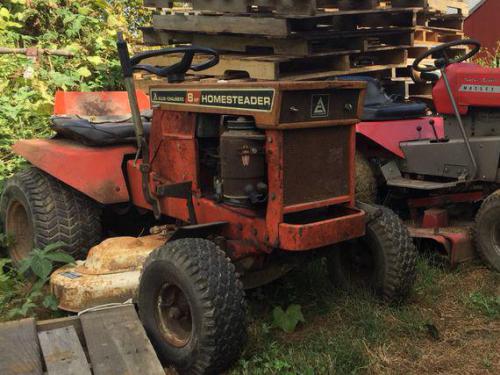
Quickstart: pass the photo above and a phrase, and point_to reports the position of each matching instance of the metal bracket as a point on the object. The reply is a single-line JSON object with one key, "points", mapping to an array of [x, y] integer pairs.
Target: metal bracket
{"points": [[181, 190]]}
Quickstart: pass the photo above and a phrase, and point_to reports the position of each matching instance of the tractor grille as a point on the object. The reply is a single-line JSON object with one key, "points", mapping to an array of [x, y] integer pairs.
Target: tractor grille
{"points": [[316, 164]]}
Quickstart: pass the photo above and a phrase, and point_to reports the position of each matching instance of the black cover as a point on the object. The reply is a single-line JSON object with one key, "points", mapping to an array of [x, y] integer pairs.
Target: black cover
{"points": [[92, 134], [380, 107]]}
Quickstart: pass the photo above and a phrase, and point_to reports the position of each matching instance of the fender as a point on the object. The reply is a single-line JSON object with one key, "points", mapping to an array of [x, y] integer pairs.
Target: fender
{"points": [[390, 134], [94, 171]]}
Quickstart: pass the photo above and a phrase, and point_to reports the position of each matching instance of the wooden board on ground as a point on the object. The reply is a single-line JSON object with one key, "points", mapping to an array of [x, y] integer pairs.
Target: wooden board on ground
{"points": [[19, 349], [118, 344], [63, 352], [111, 342]]}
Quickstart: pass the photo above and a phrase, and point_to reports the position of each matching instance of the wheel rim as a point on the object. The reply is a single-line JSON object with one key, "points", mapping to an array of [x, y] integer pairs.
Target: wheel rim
{"points": [[174, 315], [359, 264], [19, 225]]}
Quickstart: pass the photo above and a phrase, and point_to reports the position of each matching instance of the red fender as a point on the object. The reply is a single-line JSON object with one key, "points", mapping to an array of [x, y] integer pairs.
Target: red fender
{"points": [[389, 134], [94, 171]]}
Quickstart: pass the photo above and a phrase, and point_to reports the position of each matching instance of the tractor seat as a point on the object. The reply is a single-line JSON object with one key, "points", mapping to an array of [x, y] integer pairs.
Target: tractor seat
{"points": [[109, 131], [380, 107]]}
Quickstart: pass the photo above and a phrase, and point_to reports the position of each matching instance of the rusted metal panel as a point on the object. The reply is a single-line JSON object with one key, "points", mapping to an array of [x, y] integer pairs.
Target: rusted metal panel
{"points": [[308, 236], [316, 164], [456, 241], [96, 172], [110, 273]]}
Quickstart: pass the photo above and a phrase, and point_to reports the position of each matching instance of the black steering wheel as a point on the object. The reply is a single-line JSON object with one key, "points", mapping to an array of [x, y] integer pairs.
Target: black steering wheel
{"points": [[442, 53], [174, 73]]}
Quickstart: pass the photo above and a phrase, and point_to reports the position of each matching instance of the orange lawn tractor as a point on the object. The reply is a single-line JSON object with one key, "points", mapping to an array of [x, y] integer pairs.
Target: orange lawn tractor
{"points": [[252, 179]]}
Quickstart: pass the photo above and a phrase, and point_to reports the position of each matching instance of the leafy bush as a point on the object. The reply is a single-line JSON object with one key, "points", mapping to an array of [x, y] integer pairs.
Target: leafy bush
{"points": [[85, 28], [24, 289]]}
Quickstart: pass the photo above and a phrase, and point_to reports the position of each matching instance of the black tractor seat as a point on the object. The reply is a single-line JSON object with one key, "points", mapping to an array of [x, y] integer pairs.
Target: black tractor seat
{"points": [[380, 107], [98, 132]]}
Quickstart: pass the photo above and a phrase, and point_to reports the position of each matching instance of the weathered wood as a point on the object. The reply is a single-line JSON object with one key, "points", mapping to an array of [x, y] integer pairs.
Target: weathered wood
{"points": [[19, 349], [343, 42], [63, 352], [73, 321], [117, 343], [40, 51], [311, 7], [285, 26]]}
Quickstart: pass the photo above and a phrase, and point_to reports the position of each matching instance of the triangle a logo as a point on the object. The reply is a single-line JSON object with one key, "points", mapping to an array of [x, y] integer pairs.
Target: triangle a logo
{"points": [[320, 106]]}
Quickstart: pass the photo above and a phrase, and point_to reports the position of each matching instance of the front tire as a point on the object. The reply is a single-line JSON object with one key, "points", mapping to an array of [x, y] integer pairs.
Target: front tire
{"points": [[366, 181], [37, 210], [487, 231], [192, 306], [383, 260]]}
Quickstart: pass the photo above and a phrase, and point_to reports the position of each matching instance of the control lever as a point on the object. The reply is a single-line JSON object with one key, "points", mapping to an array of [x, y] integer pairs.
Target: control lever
{"points": [[142, 144]]}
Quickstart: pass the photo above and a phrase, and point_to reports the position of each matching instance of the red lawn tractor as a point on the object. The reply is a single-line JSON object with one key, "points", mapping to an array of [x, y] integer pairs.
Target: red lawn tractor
{"points": [[443, 171], [245, 181]]}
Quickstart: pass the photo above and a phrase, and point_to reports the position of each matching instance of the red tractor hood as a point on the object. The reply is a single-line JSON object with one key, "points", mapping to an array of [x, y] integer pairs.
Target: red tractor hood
{"points": [[472, 86]]}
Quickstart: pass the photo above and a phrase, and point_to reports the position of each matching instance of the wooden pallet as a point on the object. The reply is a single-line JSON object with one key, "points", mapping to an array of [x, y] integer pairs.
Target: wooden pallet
{"points": [[106, 342], [269, 67], [432, 36], [361, 40], [310, 7], [282, 26]]}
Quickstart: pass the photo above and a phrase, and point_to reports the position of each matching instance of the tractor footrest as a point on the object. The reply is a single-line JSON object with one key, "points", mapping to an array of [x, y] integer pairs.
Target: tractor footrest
{"points": [[419, 184]]}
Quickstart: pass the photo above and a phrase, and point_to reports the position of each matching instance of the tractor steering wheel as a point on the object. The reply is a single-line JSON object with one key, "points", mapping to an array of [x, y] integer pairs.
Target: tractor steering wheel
{"points": [[174, 73], [443, 58]]}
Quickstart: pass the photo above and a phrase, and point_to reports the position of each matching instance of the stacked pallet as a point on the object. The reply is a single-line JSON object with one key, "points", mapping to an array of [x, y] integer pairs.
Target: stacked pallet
{"points": [[310, 39]]}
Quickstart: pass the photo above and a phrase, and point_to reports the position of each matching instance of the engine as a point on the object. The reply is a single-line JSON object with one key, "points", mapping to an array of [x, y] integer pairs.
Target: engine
{"points": [[233, 160]]}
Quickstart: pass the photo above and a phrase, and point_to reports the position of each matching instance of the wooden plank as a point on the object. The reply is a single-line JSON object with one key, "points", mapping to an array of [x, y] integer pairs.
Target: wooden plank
{"points": [[19, 349], [268, 26], [117, 343], [73, 321], [63, 352]]}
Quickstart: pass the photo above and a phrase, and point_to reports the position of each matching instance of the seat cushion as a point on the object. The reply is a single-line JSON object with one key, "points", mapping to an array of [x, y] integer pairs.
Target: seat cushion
{"points": [[96, 134], [394, 111], [378, 106]]}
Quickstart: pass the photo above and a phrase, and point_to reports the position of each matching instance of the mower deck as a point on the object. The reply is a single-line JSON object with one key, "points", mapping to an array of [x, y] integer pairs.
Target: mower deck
{"points": [[110, 274]]}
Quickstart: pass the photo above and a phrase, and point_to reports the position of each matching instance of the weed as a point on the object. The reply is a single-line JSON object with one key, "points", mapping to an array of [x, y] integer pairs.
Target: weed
{"points": [[487, 304], [289, 319], [23, 290]]}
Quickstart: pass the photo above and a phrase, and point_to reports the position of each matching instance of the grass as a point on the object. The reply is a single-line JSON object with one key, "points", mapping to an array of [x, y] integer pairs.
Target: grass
{"points": [[353, 333], [450, 324]]}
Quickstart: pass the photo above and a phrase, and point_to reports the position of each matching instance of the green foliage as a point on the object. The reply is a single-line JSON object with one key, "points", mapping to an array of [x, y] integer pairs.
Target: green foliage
{"points": [[489, 305], [289, 319], [86, 28], [24, 289]]}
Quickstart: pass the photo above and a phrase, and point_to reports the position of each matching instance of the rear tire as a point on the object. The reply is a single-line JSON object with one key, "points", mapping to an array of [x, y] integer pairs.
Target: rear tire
{"points": [[37, 210], [192, 306], [383, 260], [487, 231], [366, 181]]}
